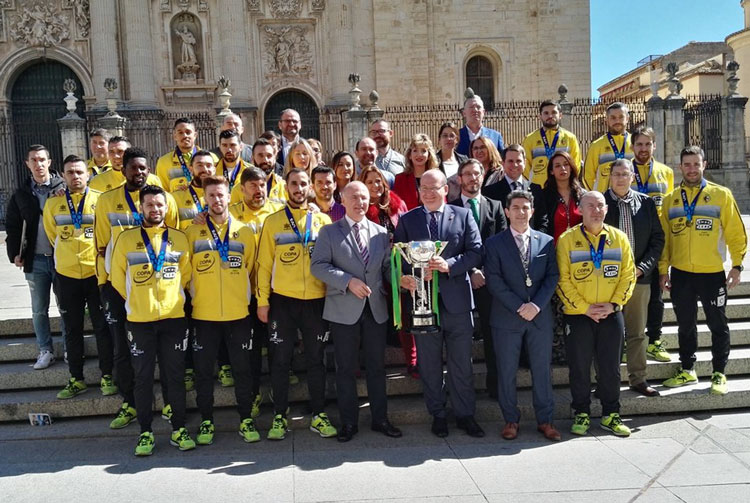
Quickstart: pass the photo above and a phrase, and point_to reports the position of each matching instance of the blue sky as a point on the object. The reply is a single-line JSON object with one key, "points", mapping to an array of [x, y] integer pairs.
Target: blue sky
{"points": [[622, 33]]}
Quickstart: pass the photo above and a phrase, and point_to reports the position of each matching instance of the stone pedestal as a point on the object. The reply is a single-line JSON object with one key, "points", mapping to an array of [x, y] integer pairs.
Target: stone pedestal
{"points": [[733, 161], [357, 125], [674, 129], [73, 135], [114, 124], [566, 108], [655, 120]]}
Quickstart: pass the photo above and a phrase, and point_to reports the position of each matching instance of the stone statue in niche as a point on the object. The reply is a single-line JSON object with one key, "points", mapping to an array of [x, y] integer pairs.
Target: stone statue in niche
{"points": [[188, 41], [287, 51], [186, 46]]}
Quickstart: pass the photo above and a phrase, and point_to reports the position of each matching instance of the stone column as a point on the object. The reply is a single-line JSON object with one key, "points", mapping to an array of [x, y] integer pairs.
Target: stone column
{"points": [[73, 135], [356, 127], [139, 63], [733, 160], [340, 51], [566, 107], [655, 120], [235, 50], [674, 129], [104, 49]]}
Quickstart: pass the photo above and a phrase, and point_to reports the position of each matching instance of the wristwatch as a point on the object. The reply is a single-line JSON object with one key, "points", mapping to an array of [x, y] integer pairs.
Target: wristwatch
{"points": [[739, 268], [616, 307]]}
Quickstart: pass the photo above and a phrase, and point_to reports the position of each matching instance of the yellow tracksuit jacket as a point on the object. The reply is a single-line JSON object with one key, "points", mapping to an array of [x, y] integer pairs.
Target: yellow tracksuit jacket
{"points": [[186, 208], [169, 169], [599, 159], [660, 183], [536, 156], [113, 178]]}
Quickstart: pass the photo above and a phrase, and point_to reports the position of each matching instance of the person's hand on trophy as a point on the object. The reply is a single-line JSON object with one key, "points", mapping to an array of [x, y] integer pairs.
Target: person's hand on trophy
{"points": [[436, 263], [409, 282]]}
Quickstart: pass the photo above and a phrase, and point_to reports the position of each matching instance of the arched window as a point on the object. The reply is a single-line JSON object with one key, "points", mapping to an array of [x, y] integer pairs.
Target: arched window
{"points": [[480, 76]]}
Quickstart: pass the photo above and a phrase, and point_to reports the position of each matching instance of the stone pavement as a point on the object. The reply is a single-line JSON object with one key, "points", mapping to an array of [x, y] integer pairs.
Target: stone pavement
{"points": [[695, 458]]}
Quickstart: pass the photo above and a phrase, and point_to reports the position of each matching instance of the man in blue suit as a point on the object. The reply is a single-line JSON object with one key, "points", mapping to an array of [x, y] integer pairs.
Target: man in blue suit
{"points": [[474, 114], [454, 226], [521, 270]]}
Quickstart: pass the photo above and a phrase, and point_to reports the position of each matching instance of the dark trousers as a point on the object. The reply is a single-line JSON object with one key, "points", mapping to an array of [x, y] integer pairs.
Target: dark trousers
{"points": [[74, 295], [223, 355], [456, 333], [169, 338], [346, 343], [287, 315], [587, 340], [209, 335], [114, 309], [483, 301], [711, 289], [539, 344], [260, 340], [655, 310]]}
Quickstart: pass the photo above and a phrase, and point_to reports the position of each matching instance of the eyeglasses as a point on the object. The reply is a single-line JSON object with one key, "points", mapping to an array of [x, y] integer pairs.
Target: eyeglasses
{"points": [[430, 189], [374, 132]]}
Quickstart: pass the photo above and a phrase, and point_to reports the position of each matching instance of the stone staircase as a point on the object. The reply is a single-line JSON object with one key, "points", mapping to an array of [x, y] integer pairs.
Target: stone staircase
{"points": [[24, 390]]}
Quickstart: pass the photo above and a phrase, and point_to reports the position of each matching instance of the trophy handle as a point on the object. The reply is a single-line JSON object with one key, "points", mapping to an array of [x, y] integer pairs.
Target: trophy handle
{"points": [[400, 247], [440, 246]]}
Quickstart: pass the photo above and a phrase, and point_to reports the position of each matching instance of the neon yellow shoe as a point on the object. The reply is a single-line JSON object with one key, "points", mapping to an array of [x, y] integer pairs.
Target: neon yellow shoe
{"points": [[581, 424], [278, 428], [225, 376], [205, 433], [614, 424], [248, 431], [321, 425], [145, 446], [189, 380], [124, 417], [255, 411], [657, 352], [73, 388], [181, 439], [681, 378], [166, 412], [107, 385], [719, 384]]}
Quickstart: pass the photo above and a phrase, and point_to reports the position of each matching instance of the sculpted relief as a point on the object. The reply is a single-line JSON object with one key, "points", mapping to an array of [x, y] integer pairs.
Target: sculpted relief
{"points": [[40, 25], [287, 51]]}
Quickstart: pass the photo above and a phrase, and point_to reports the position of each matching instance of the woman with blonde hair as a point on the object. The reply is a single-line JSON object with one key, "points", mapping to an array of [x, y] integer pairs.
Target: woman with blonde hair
{"points": [[302, 156], [483, 150], [420, 156]]}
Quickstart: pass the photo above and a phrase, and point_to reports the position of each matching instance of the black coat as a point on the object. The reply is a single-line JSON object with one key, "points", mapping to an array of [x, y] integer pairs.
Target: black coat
{"points": [[499, 192], [24, 206], [491, 217], [545, 205], [647, 231]]}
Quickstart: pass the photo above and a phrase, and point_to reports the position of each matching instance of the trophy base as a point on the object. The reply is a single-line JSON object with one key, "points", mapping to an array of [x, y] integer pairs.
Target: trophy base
{"points": [[424, 324]]}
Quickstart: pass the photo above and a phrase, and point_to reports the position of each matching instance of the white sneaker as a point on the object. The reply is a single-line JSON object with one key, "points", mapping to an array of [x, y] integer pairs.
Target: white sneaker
{"points": [[44, 360]]}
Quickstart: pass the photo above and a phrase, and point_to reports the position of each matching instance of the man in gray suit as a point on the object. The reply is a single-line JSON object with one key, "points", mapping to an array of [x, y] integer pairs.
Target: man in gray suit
{"points": [[351, 257], [521, 269]]}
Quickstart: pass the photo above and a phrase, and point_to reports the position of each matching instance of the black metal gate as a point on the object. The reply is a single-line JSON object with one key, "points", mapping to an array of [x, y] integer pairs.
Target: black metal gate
{"points": [[703, 126], [37, 103], [302, 103]]}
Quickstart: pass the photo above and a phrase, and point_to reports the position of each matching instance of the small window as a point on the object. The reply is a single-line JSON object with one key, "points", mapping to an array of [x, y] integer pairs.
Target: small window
{"points": [[480, 77]]}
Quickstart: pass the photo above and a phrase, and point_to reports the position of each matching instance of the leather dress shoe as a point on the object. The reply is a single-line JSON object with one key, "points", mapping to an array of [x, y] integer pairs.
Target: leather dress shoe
{"points": [[440, 427], [470, 426], [644, 389], [347, 432], [510, 431], [387, 429], [549, 432]]}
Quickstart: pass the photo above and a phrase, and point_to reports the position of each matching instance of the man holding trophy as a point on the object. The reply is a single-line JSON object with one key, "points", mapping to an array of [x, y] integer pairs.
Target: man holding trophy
{"points": [[440, 244]]}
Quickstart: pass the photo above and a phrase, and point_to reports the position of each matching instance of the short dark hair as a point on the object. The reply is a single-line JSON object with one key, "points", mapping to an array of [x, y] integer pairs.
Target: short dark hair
{"points": [[252, 175], [269, 135], [468, 161], [214, 180], [294, 171], [548, 103], [643, 131], [183, 120], [150, 190], [261, 142], [118, 139], [201, 153], [37, 148], [229, 133], [325, 170], [519, 194], [133, 153], [72, 158], [338, 156], [692, 150], [618, 105], [515, 147], [100, 132]]}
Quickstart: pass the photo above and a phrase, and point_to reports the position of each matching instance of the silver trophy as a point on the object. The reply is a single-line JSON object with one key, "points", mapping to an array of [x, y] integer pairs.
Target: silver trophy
{"points": [[418, 254]]}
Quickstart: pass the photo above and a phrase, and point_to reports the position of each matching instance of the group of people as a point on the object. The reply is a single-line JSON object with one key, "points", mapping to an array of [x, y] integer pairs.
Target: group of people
{"points": [[220, 255]]}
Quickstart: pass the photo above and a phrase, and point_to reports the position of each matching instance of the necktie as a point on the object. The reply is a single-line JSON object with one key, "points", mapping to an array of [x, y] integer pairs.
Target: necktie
{"points": [[474, 210], [522, 248], [362, 248], [434, 233]]}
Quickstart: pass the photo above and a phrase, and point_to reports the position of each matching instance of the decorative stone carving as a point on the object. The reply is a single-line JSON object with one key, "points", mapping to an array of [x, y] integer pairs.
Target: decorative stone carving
{"points": [[40, 25], [253, 5], [202, 6], [287, 51], [285, 8], [732, 80], [183, 4], [318, 5], [81, 15], [186, 46], [165, 5]]}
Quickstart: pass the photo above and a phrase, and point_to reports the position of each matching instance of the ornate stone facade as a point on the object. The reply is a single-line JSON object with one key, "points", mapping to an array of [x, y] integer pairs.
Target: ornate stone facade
{"points": [[40, 25]]}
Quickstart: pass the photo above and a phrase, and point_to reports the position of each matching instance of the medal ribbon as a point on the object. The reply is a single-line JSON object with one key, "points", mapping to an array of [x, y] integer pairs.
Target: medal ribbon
{"points": [[269, 184], [549, 150], [690, 208], [76, 215], [643, 187], [233, 177], [156, 262], [136, 214], [181, 158], [222, 247], [196, 199], [619, 154], [293, 225], [598, 254]]}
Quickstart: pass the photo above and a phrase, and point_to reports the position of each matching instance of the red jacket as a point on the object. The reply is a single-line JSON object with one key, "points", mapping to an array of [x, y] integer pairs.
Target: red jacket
{"points": [[405, 186], [396, 207]]}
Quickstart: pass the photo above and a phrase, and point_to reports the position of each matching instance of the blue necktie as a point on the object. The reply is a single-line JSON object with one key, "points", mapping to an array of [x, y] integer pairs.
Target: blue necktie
{"points": [[434, 233]]}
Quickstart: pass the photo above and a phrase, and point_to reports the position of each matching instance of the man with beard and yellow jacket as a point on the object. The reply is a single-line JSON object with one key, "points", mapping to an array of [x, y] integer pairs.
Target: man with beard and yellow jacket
{"points": [[613, 145]]}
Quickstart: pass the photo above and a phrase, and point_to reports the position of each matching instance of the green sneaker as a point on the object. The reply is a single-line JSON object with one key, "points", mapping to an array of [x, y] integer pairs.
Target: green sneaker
{"points": [[293, 379], [255, 412], [614, 424], [657, 352], [581, 424], [73, 388], [719, 384], [181, 439], [322, 425], [145, 446], [124, 417], [278, 428], [166, 412], [107, 385], [225, 376], [681, 378], [248, 431], [205, 433], [189, 380], [624, 358]]}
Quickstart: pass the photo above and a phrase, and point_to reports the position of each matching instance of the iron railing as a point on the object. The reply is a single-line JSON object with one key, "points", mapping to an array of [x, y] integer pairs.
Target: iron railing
{"points": [[703, 126]]}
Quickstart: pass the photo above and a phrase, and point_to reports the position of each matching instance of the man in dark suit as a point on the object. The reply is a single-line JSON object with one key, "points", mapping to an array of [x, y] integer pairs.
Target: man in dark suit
{"points": [[522, 274], [490, 219], [456, 228], [473, 113], [351, 257]]}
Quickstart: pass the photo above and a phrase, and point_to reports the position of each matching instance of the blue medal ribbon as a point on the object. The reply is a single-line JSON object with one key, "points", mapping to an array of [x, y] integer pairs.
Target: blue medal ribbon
{"points": [[156, 261], [293, 225], [236, 171], [690, 208], [619, 154], [643, 187], [221, 246], [549, 150], [269, 183], [137, 217], [196, 199], [76, 215], [181, 158], [596, 255]]}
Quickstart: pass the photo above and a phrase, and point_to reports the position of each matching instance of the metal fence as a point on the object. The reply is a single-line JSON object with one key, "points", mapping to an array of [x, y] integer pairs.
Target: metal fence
{"points": [[703, 126]]}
